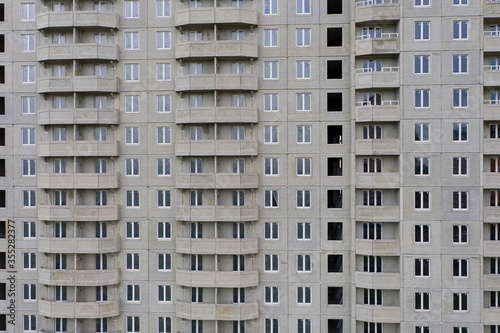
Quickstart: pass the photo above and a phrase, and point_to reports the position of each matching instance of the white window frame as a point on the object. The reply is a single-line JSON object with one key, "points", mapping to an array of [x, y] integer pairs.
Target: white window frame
{"points": [[163, 8], [303, 166], [422, 64], [271, 230], [164, 167], [271, 70], [303, 70], [131, 8], [132, 230], [28, 105], [163, 39], [28, 42], [163, 71], [270, 37], [132, 167], [164, 198], [422, 30], [303, 37], [422, 98], [271, 199], [270, 7], [131, 40], [460, 30], [164, 230]]}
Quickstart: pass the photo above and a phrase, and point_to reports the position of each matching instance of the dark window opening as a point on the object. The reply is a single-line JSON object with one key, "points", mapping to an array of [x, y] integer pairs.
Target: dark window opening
{"points": [[2, 74], [2, 167], [335, 326], [3, 257], [2, 43], [2, 12], [334, 231], [335, 262], [2, 136], [334, 7], [334, 166], [2, 198], [334, 102], [333, 37], [334, 198], [3, 291], [2, 105], [335, 295], [334, 69], [334, 134]]}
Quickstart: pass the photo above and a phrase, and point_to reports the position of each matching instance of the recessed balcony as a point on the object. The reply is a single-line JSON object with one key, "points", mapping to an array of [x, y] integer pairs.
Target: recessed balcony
{"points": [[217, 213], [491, 146], [491, 8], [387, 77], [78, 213], [378, 147], [387, 111], [78, 309], [78, 148], [216, 148], [378, 313], [219, 15], [219, 279], [490, 110], [491, 180], [377, 180], [217, 48], [216, 180], [377, 10], [491, 248], [78, 180], [216, 82], [78, 116], [232, 246], [377, 213], [63, 277], [491, 281], [200, 311], [378, 280], [66, 84], [491, 75], [77, 51], [387, 43], [378, 247], [68, 19], [491, 316], [491, 214], [491, 41], [78, 245], [220, 114]]}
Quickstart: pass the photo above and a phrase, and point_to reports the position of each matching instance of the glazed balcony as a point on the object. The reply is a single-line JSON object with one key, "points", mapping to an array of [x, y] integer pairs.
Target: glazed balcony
{"points": [[78, 309], [387, 77], [378, 313], [77, 51], [78, 245], [213, 279], [377, 180], [218, 15], [386, 111], [491, 248], [216, 180], [231, 246], [220, 114], [216, 148], [78, 213], [387, 43], [78, 116], [491, 180], [218, 48], [78, 180], [217, 213], [216, 82], [78, 148], [377, 213], [378, 280], [378, 147], [380, 247], [66, 84], [200, 311], [377, 10], [68, 19], [491, 9], [78, 277], [491, 41]]}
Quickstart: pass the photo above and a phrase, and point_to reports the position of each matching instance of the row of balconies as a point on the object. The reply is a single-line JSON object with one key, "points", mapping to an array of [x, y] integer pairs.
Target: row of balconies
{"points": [[78, 148], [201, 311], [63, 277], [78, 309], [219, 246], [78, 180], [79, 51], [67, 84], [78, 213], [78, 116], [79, 245]]}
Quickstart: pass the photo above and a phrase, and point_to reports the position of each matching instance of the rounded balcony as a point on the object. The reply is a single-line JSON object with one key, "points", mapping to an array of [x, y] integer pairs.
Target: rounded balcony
{"points": [[78, 148], [63, 277], [231, 246], [86, 51], [79, 245], [68, 19], [219, 15], [200, 311], [216, 279], [78, 309], [78, 213], [216, 147], [217, 213], [78, 180], [216, 180], [220, 114]]}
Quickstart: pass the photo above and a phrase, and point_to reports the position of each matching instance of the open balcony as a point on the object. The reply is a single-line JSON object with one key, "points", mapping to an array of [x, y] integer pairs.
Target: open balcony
{"points": [[491, 316], [78, 180], [66, 84], [78, 213], [380, 247], [78, 309], [491, 248], [377, 180], [387, 77], [216, 82], [491, 9], [491, 75], [378, 280], [377, 213], [217, 213], [491, 41], [378, 147], [387, 43], [491, 214], [231, 246], [491, 281], [78, 148], [216, 148], [63, 277], [68, 19], [386, 111], [220, 114], [78, 245], [78, 116], [216, 180], [491, 180], [490, 110], [378, 313], [217, 48], [215, 15], [77, 51], [377, 10], [217, 279], [201, 311]]}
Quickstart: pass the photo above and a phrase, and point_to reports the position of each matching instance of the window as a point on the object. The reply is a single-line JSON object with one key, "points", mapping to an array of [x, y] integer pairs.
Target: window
{"points": [[238, 133], [335, 263], [372, 296], [495, 131], [460, 234], [422, 267], [334, 134], [28, 73], [195, 198], [132, 135], [162, 8], [131, 103], [421, 301], [460, 200], [165, 293], [270, 7], [460, 268], [334, 69], [29, 198], [303, 102], [131, 8], [132, 261], [271, 102], [303, 295], [271, 295], [28, 42], [270, 70], [303, 166], [238, 198], [303, 69], [132, 166], [371, 132], [304, 325], [271, 263], [422, 329], [422, 64], [494, 198], [133, 293], [460, 131], [334, 37], [460, 98], [271, 230], [334, 198], [422, 30], [460, 63], [494, 299], [163, 72], [59, 134], [132, 230], [133, 324], [271, 199], [303, 263], [196, 133], [163, 103], [422, 166], [303, 7], [61, 325], [163, 39], [132, 198], [271, 134], [27, 11], [270, 37], [372, 231], [303, 36], [238, 100], [28, 105], [164, 325], [422, 200], [422, 132], [371, 32], [29, 323], [422, 233], [460, 30], [303, 134], [29, 292], [29, 229], [59, 197], [372, 198], [131, 72], [29, 261], [163, 197], [460, 302], [28, 167], [163, 135], [422, 98], [304, 231], [163, 167]]}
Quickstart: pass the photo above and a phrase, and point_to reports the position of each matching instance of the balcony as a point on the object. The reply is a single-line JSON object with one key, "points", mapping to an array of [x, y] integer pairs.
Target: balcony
{"points": [[491, 281], [491, 9], [78, 309], [377, 10], [77, 51], [200, 311], [387, 43], [216, 82], [490, 110], [491, 146], [68, 19], [378, 147], [216, 148], [78, 180], [491, 248], [55, 84], [217, 213], [219, 279], [377, 213], [491, 316], [386, 111], [491, 41], [491, 180], [216, 115], [78, 277], [78, 245], [78, 116], [78, 213], [378, 314], [216, 180], [387, 77], [217, 245], [377, 180], [217, 48], [491, 214], [378, 280], [491, 75], [378, 247], [219, 15], [78, 148]]}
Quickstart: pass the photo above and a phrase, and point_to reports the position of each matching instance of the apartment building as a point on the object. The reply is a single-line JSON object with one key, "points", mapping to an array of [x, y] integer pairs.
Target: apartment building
{"points": [[244, 166]]}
